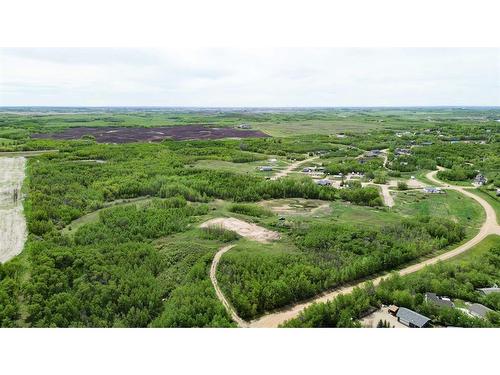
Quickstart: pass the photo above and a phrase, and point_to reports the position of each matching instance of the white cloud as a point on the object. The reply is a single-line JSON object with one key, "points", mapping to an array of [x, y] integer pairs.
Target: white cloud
{"points": [[249, 77]]}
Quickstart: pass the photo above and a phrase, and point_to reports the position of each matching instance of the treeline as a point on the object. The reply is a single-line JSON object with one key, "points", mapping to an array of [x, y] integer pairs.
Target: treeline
{"points": [[10, 290], [325, 256]]}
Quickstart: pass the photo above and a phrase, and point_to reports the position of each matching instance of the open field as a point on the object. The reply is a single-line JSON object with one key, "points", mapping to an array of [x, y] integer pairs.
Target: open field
{"points": [[126, 135]]}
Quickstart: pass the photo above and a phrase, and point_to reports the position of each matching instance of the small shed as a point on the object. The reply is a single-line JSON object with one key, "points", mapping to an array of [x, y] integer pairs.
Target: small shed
{"points": [[411, 318], [266, 168], [393, 309], [324, 182]]}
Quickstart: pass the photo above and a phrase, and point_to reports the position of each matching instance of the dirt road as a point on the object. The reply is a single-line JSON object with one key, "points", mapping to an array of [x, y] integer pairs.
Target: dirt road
{"points": [[12, 222], [213, 277], [248, 230], [490, 226], [285, 172], [388, 199]]}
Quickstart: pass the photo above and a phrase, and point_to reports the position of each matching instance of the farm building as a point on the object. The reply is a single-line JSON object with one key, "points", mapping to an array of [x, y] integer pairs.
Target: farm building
{"points": [[439, 301], [432, 190], [411, 318], [487, 291], [478, 310], [266, 168]]}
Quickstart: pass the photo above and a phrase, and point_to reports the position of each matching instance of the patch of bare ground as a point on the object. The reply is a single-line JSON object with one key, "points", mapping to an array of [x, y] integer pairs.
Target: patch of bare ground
{"points": [[12, 222], [243, 228]]}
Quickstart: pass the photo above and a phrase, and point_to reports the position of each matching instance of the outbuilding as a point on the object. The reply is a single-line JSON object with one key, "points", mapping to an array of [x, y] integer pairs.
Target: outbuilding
{"points": [[411, 318]]}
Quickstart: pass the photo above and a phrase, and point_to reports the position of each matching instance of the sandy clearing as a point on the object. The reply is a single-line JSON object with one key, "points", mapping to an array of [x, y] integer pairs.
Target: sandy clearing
{"points": [[244, 229], [489, 227], [292, 167], [12, 222], [388, 199]]}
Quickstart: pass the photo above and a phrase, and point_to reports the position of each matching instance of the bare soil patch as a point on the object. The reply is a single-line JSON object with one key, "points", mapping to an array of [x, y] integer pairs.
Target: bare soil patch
{"points": [[244, 229], [12, 222], [127, 135]]}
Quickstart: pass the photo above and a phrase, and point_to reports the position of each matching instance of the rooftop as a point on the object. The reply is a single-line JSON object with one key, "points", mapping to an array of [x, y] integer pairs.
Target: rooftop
{"points": [[412, 317]]}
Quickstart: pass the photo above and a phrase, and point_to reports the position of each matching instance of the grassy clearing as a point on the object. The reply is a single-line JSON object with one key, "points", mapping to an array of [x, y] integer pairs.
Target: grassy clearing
{"points": [[291, 128], [479, 250], [242, 168], [453, 205], [493, 200]]}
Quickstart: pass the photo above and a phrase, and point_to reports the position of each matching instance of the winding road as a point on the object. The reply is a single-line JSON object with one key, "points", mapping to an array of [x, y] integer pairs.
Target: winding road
{"points": [[276, 318]]}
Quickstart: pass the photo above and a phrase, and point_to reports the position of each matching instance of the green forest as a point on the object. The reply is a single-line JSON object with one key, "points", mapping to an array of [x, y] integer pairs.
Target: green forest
{"points": [[114, 237]]}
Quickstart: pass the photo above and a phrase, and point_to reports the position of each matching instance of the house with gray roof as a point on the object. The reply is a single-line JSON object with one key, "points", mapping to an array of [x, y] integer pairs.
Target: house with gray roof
{"points": [[486, 291], [478, 310], [439, 301], [411, 318]]}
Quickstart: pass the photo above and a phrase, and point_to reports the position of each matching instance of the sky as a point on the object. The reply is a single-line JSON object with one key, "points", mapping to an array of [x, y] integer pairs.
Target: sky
{"points": [[267, 77]]}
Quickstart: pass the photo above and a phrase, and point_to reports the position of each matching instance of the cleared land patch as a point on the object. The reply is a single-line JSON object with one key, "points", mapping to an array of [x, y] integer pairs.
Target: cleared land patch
{"points": [[126, 135], [12, 222], [244, 229]]}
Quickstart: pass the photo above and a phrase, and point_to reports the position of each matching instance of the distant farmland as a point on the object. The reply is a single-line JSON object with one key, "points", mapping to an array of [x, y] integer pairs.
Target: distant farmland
{"points": [[127, 135]]}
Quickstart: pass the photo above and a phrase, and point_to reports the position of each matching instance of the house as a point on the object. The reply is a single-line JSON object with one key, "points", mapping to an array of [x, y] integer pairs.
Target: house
{"points": [[372, 153], [480, 180], [411, 318], [439, 301], [244, 126], [487, 291], [478, 310], [402, 151], [307, 170], [323, 182], [393, 309], [432, 190], [266, 168]]}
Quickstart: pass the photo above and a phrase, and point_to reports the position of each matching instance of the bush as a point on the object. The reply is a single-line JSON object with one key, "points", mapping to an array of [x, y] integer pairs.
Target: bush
{"points": [[217, 232], [402, 185]]}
